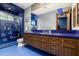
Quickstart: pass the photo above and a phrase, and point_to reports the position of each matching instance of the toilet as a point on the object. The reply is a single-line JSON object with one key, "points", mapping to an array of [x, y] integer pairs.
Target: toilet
{"points": [[20, 42]]}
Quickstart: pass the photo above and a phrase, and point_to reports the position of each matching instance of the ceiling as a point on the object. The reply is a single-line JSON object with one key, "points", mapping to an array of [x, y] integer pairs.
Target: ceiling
{"points": [[23, 5], [44, 9], [50, 7]]}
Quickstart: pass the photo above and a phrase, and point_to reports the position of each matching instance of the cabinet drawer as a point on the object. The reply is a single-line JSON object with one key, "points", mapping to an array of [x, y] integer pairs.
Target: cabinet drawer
{"points": [[26, 35], [29, 41], [26, 39], [56, 41], [55, 47], [44, 40], [69, 51], [36, 45], [37, 38], [31, 37], [45, 48], [55, 52], [72, 43], [39, 45]]}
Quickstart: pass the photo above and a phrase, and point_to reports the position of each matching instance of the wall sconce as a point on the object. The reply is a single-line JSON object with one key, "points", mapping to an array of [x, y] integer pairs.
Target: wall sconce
{"points": [[60, 11]]}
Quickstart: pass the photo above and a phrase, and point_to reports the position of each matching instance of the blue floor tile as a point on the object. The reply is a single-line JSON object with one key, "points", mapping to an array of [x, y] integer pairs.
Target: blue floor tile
{"points": [[17, 51], [21, 51], [43, 53]]}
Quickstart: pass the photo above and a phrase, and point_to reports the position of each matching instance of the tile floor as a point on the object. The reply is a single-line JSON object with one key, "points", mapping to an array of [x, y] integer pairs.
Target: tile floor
{"points": [[21, 51]]}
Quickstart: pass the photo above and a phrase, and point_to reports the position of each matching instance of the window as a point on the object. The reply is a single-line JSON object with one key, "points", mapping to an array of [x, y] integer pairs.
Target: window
{"points": [[6, 16], [10, 17], [3, 15]]}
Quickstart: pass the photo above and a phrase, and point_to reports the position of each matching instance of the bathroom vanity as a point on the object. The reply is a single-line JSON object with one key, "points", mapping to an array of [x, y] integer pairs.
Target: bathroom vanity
{"points": [[55, 43], [61, 42]]}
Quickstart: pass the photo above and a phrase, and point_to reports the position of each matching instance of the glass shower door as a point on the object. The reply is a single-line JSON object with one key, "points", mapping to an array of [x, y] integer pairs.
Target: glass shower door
{"points": [[10, 27], [7, 29], [3, 18]]}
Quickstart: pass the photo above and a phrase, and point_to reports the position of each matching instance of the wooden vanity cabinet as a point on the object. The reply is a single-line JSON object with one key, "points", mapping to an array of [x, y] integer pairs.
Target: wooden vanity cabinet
{"points": [[27, 38], [77, 47], [55, 45], [69, 43], [69, 47], [69, 51], [59, 46], [44, 42], [40, 42], [36, 42]]}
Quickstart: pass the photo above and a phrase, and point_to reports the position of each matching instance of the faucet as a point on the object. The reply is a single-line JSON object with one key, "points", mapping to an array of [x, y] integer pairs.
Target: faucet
{"points": [[49, 31]]}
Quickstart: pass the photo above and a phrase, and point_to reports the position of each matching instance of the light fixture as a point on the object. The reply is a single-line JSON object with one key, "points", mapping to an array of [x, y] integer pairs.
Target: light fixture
{"points": [[60, 11], [9, 8]]}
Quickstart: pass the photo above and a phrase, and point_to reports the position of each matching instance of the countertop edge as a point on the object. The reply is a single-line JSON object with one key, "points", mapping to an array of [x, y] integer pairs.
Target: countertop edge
{"points": [[74, 36]]}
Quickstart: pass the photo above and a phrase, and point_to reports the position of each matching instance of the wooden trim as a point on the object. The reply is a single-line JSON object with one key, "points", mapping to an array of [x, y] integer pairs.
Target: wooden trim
{"points": [[68, 20], [68, 23], [76, 14], [56, 21], [73, 17]]}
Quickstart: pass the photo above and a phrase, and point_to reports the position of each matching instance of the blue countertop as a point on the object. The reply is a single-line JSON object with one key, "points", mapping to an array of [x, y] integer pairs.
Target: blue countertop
{"points": [[66, 35]]}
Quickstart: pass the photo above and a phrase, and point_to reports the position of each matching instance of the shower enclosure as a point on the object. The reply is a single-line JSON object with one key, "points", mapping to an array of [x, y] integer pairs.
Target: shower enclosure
{"points": [[11, 23], [10, 27]]}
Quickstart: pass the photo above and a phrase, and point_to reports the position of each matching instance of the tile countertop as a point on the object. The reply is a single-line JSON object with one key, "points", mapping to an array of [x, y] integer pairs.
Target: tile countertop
{"points": [[65, 35]]}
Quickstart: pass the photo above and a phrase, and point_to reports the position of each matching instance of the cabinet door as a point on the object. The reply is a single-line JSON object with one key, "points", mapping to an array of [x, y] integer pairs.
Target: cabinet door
{"points": [[69, 47], [71, 43], [69, 51], [55, 45], [44, 43], [26, 38], [78, 47], [44, 46]]}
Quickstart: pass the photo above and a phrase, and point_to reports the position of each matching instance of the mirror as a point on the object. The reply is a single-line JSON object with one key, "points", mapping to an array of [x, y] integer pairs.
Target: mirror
{"points": [[63, 20], [74, 16]]}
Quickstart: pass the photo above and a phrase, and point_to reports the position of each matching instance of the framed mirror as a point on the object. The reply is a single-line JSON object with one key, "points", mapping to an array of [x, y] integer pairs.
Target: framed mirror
{"points": [[63, 20]]}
